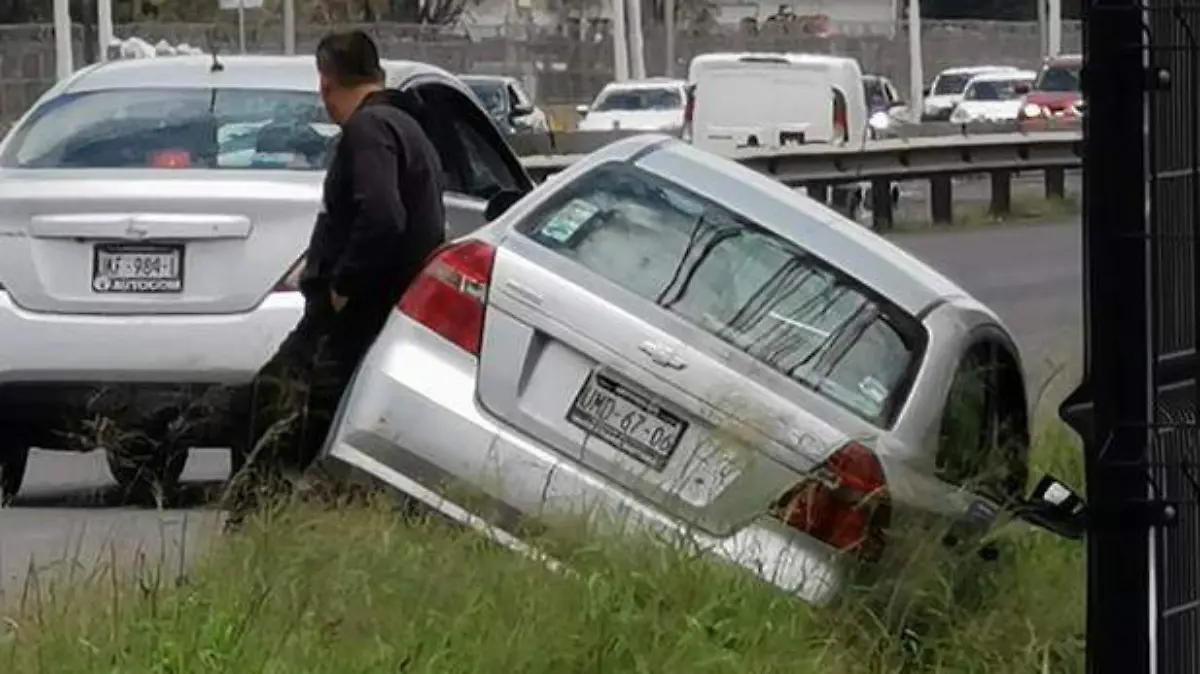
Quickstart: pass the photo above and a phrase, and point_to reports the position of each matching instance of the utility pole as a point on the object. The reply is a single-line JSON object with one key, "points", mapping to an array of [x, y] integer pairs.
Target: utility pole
{"points": [[104, 27], [63, 56], [669, 27], [1055, 28], [289, 27], [637, 44], [620, 36], [1043, 34], [916, 70]]}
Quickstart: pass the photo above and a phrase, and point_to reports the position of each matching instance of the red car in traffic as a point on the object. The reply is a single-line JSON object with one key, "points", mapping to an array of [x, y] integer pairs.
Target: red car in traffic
{"points": [[1055, 96]]}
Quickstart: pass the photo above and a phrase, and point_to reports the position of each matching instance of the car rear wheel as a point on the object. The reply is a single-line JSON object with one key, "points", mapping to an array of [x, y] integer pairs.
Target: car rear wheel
{"points": [[148, 464], [14, 458]]}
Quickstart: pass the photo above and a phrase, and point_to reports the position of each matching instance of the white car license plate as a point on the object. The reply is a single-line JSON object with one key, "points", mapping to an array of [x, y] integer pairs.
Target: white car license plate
{"points": [[137, 269], [628, 419]]}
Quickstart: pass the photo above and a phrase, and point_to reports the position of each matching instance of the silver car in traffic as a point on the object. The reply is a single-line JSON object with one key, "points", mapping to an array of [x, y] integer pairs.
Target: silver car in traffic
{"points": [[664, 337]]}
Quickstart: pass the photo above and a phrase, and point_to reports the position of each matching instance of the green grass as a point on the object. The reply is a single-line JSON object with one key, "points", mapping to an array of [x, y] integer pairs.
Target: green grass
{"points": [[357, 590]]}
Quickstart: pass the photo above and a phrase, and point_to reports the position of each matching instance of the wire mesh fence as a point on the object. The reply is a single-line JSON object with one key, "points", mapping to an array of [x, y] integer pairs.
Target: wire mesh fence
{"points": [[561, 64]]}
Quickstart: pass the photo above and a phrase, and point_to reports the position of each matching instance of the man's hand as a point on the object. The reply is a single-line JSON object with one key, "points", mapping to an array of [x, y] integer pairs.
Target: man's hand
{"points": [[336, 301]]}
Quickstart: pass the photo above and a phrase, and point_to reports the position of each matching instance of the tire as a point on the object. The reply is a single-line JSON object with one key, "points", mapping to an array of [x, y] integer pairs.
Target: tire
{"points": [[149, 465], [14, 458]]}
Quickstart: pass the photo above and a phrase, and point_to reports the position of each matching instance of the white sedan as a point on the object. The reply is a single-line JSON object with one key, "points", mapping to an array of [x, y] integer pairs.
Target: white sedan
{"points": [[993, 97]]}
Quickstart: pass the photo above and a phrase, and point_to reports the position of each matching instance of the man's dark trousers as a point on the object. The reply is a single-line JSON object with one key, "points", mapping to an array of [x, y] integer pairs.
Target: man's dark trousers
{"points": [[280, 420]]}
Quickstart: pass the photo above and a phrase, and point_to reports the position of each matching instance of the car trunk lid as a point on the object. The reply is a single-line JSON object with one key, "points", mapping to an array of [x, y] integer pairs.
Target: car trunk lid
{"points": [[142, 241], [658, 405]]}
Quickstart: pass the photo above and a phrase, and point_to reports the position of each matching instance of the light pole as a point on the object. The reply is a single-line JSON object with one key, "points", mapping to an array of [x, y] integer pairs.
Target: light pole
{"points": [[1055, 28], [637, 45], [63, 56], [620, 36], [916, 71], [104, 26]]}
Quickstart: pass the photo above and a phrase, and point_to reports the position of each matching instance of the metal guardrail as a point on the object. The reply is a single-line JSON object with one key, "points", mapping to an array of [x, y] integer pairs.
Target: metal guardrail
{"points": [[585, 142], [885, 162]]}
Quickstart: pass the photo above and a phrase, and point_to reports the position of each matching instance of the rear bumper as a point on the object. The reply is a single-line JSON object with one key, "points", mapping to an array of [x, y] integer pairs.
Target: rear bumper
{"points": [[46, 348], [411, 421]]}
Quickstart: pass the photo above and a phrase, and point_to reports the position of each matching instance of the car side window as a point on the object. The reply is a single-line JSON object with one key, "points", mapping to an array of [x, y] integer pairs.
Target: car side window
{"points": [[744, 285]]}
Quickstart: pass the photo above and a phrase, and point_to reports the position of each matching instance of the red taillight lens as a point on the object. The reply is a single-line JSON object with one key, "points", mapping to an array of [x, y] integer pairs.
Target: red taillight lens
{"points": [[290, 282], [172, 158], [844, 503], [450, 293]]}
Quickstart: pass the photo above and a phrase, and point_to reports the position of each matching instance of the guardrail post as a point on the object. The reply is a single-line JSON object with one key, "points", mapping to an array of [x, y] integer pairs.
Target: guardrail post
{"points": [[881, 205], [1001, 193], [839, 199], [1056, 183], [818, 191], [941, 200]]}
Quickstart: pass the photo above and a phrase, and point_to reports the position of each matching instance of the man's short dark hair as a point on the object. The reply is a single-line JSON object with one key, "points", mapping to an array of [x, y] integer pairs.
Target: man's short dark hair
{"points": [[349, 58]]}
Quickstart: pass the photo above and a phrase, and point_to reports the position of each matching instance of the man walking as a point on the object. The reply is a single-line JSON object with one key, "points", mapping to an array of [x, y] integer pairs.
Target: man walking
{"points": [[382, 215]]}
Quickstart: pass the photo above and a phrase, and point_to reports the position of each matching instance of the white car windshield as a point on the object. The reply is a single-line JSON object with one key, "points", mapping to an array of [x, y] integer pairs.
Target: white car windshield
{"points": [[993, 90], [639, 99], [175, 128], [950, 84]]}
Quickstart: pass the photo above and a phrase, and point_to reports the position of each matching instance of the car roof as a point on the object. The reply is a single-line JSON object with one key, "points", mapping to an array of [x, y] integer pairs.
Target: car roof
{"points": [[1004, 76], [967, 70], [647, 83], [498, 79], [295, 73], [791, 57], [881, 265], [1065, 60]]}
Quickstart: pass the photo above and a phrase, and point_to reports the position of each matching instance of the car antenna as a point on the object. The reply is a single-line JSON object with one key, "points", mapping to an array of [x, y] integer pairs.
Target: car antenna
{"points": [[216, 66]]}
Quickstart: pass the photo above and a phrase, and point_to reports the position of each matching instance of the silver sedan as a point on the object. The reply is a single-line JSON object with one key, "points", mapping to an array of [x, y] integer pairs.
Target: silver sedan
{"points": [[662, 337]]}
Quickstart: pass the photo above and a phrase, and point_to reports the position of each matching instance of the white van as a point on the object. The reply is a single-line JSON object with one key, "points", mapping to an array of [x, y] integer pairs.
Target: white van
{"points": [[771, 100]]}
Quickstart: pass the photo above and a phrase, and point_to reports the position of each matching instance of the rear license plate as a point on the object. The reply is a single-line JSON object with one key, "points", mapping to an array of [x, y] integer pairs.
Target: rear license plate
{"points": [[120, 268], [628, 419]]}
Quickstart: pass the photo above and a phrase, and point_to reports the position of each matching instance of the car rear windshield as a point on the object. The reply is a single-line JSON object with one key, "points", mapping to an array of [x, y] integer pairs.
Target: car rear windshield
{"points": [[746, 286], [639, 99], [175, 128], [1058, 78]]}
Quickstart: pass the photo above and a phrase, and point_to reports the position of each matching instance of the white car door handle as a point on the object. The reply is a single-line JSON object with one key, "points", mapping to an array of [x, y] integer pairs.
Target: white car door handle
{"points": [[663, 355]]}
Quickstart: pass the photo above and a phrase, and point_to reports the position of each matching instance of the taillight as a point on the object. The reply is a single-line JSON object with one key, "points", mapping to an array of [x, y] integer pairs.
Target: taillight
{"points": [[843, 503], [450, 293], [290, 282], [173, 158]]}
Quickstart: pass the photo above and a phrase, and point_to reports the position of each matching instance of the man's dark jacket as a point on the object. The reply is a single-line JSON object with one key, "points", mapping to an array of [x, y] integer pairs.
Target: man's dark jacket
{"points": [[383, 212]]}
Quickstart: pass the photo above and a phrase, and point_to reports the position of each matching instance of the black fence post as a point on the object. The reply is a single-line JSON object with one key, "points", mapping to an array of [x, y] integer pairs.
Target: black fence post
{"points": [[1119, 360]]}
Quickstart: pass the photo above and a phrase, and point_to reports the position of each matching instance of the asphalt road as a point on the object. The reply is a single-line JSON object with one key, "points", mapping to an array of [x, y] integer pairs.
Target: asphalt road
{"points": [[67, 520]]}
